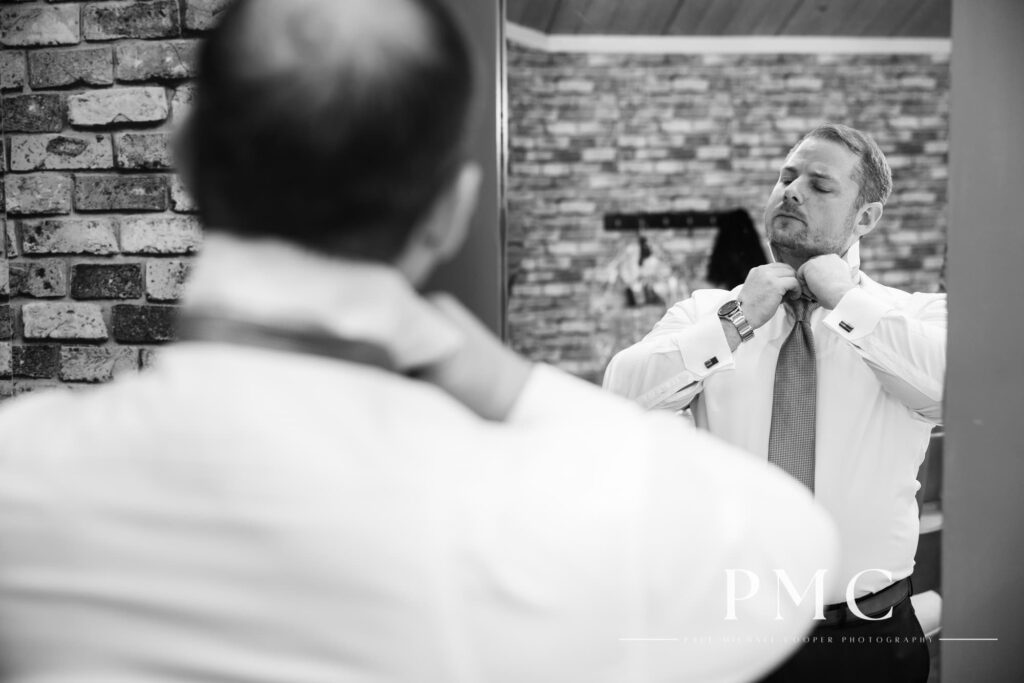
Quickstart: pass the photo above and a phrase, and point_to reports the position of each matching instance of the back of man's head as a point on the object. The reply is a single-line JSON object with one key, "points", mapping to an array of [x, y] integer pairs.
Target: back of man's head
{"points": [[330, 123]]}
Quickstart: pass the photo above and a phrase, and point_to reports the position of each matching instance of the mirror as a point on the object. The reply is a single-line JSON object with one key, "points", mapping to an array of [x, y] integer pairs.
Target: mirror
{"points": [[604, 124], [645, 136]]}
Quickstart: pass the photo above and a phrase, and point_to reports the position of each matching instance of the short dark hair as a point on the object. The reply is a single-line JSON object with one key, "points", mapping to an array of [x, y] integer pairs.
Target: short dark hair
{"points": [[339, 150], [873, 174]]}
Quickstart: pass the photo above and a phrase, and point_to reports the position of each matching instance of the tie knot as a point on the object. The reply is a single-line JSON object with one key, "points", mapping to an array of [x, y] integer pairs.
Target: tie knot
{"points": [[801, 308]]}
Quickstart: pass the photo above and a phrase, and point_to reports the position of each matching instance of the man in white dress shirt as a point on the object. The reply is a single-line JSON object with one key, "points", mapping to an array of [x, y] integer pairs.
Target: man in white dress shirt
{"points": [[879, 359], [331, 478]]}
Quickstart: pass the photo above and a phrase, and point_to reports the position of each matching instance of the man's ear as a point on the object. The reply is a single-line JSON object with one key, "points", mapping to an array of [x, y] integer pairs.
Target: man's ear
{"points": [[440, 233], [454, 211], [867, 218]]}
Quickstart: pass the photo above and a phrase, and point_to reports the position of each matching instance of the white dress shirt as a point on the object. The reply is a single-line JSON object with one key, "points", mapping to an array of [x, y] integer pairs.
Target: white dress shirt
{"points": [[880, 359], [237, 513]]}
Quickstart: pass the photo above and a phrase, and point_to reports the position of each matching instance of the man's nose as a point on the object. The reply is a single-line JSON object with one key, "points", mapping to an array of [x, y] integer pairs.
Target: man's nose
{"points": [[792, 195]]}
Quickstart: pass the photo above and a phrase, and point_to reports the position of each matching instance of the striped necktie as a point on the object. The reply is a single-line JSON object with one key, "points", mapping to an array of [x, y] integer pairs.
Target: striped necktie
{"points": [[791, 442]]}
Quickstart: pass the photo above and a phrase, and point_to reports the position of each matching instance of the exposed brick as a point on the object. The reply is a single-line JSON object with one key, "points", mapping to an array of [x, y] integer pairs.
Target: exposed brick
{"points": [[165, 279], [96, 363], [160, 235], [42, 279], [33, 113], [63, 320], [134, 324], [106, 281], [6, 321], [5, 363], [61, 152], [144, 61], [38, 193], [10, 237], [61, 68], [40, 25], [120, 192], [202, 15], [36, 361], [147, 19], [181, 200], [150, 151], [118, 105], [803, 83], [12, 70], [96, 236]]}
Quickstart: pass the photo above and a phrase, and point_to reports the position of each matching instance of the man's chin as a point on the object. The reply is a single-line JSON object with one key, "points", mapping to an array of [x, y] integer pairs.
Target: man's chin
{"points": [[793, 248]]}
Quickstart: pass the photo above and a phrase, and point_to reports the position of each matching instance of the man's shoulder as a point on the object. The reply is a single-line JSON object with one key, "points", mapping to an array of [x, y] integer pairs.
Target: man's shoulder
{"points": [[901, 298], [19, 413], [38, 423]]}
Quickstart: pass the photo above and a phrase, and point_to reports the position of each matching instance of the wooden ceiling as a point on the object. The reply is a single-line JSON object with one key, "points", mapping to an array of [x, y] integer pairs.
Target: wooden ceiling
{"points": [[896, 18]]}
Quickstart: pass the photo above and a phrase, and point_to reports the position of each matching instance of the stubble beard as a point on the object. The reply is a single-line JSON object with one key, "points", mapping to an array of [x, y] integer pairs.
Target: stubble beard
{"points": [[798, 241]]}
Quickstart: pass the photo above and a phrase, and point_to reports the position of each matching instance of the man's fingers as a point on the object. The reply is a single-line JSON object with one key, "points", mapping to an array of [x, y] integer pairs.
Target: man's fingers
{"points": [[782, 268], [790, 284]]}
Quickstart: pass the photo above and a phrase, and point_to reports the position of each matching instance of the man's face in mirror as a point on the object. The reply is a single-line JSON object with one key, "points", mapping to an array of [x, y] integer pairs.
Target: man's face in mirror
{"points": [[813, 206]]}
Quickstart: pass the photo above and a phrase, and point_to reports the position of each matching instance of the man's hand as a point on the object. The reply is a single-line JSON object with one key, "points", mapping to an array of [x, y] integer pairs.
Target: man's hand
{"points": [[828, 278], [483, 374], [763, 291]]}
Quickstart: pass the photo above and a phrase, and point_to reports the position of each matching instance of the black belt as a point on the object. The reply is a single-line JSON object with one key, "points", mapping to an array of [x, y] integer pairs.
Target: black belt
{"points": [[873, 605]]}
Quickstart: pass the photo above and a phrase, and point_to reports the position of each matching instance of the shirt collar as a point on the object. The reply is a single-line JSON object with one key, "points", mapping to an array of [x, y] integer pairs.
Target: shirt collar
{"points": [[852, 256], [273, 282]]}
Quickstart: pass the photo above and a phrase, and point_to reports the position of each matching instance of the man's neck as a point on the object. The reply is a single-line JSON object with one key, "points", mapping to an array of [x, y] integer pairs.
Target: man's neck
{"points": [[796, 259], [789, 257]]}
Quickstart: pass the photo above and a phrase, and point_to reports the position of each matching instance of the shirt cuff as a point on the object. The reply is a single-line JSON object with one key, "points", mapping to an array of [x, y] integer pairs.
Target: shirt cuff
{"points": [[706, 349], [857, 315]]}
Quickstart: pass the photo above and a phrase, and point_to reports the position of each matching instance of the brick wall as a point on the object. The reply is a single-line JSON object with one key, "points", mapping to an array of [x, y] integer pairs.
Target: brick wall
{"points": [[98, 231], [591, 134]]}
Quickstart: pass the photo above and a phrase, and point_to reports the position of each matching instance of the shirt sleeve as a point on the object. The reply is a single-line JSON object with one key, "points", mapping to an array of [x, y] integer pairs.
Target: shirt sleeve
{"points": [[668, 367], [905, 346]]}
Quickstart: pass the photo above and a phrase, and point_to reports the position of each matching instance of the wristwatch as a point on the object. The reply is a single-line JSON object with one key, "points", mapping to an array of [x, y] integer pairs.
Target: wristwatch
{"points": [[732, 312]]}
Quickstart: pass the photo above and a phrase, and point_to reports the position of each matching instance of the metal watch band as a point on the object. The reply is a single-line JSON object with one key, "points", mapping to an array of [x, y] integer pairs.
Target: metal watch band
{"points": [[739, 321]]}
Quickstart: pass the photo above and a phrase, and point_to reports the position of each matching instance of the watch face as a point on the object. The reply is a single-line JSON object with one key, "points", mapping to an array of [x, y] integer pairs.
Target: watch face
{"points": [[728, 307]]}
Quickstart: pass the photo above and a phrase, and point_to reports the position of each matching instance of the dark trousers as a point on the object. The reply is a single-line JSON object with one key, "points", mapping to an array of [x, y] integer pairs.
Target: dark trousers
{"points": [[859, 651]]}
